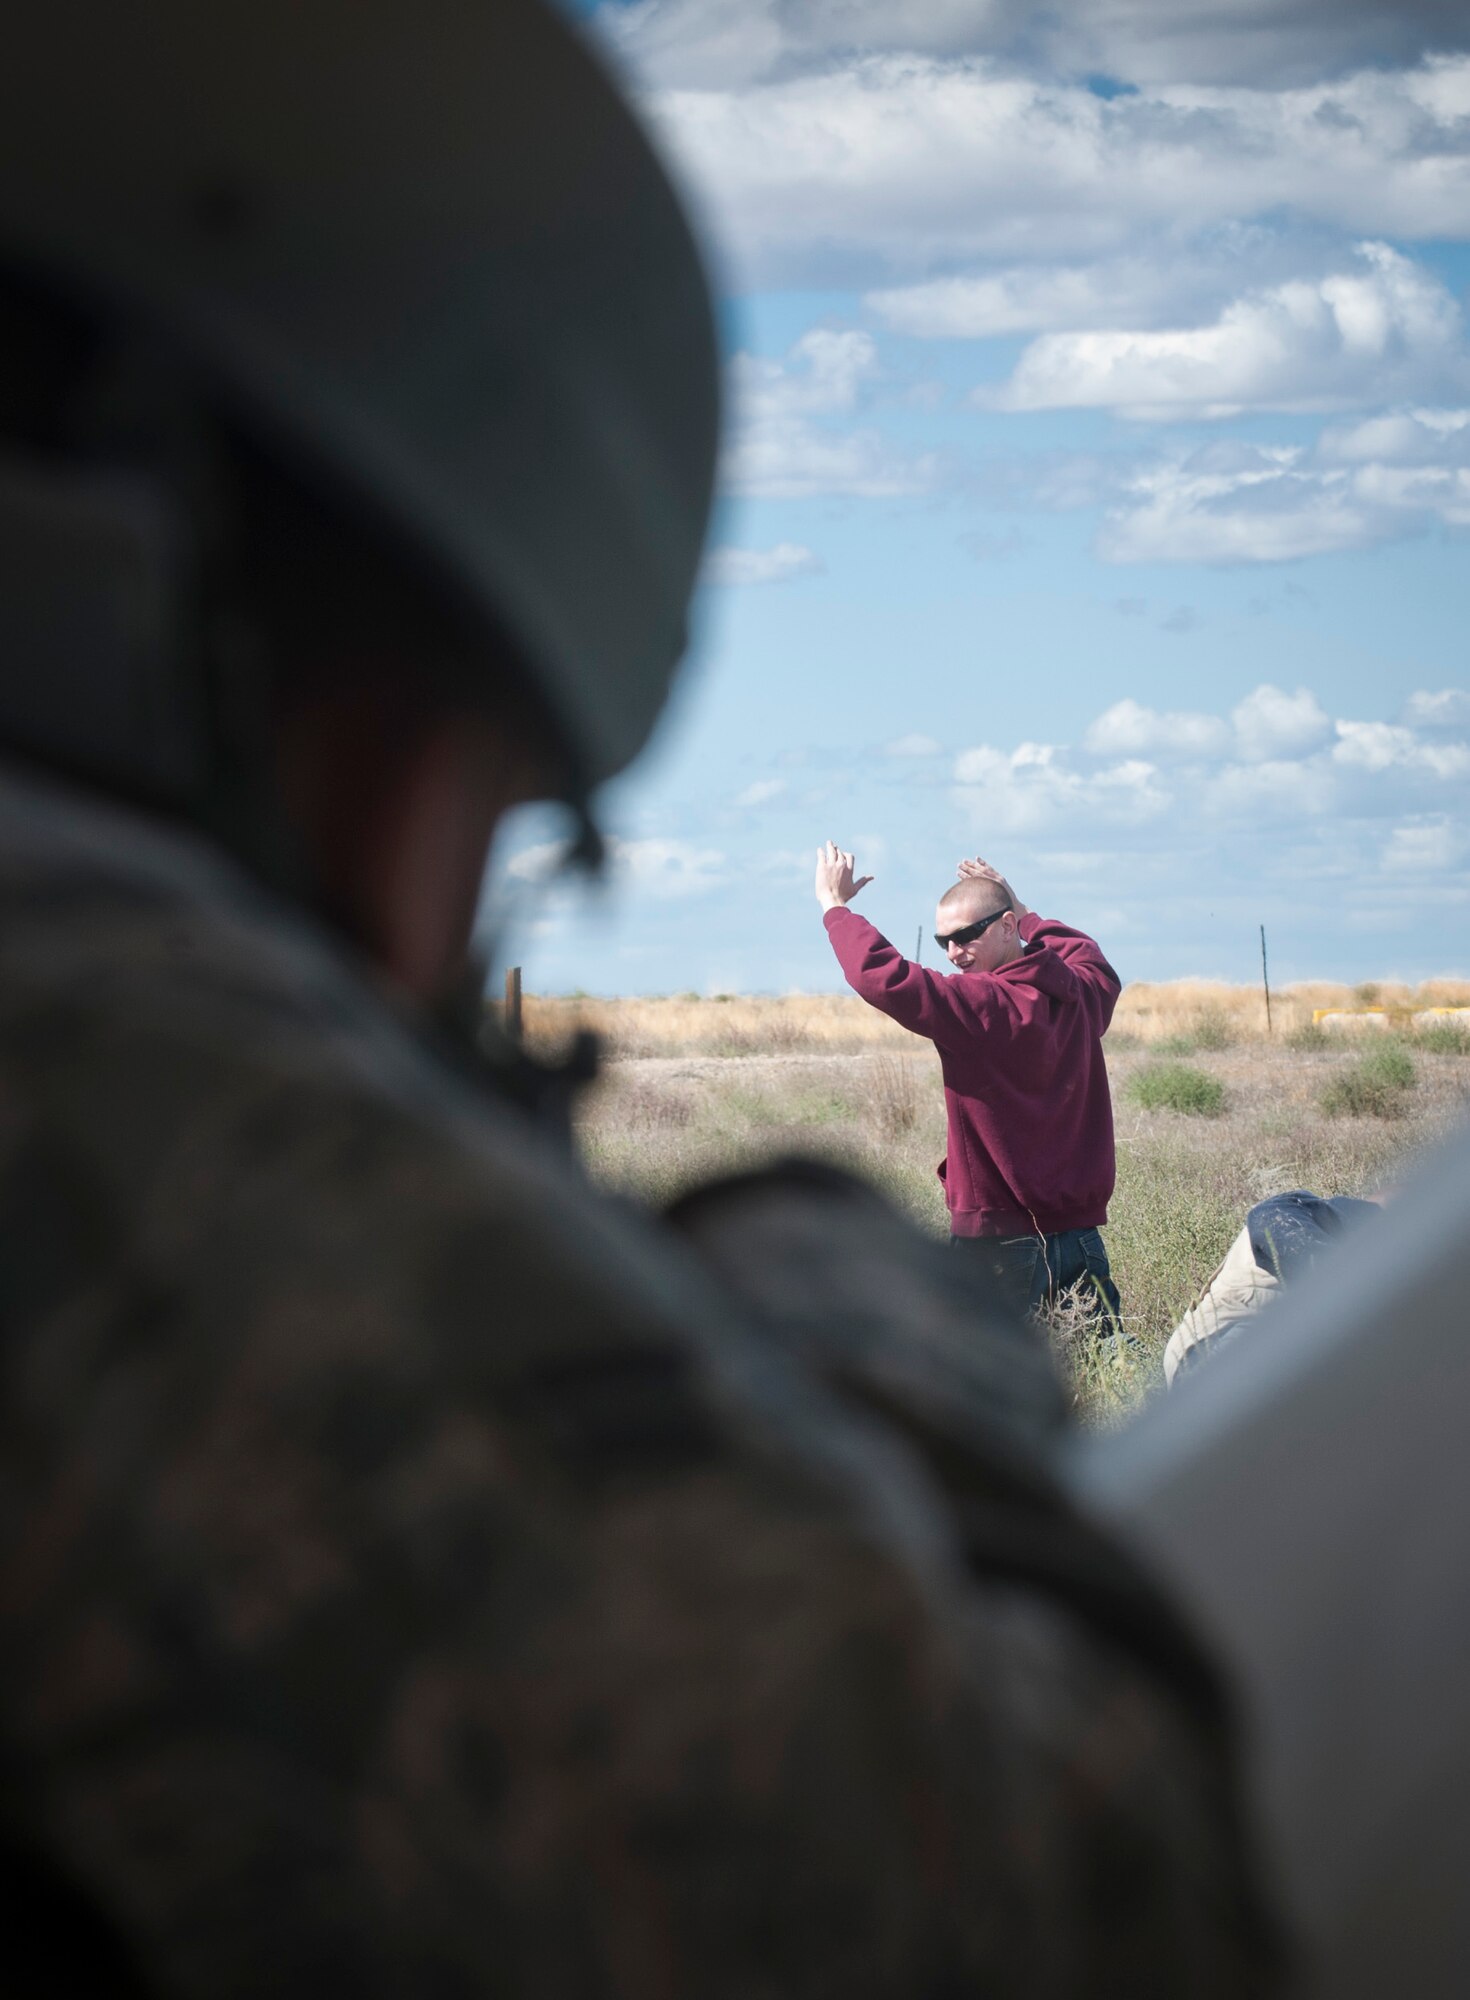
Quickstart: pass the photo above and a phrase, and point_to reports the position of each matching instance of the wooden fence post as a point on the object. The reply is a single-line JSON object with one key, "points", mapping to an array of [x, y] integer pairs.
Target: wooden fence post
{"points": [[513, 1003], [1265, 981]]}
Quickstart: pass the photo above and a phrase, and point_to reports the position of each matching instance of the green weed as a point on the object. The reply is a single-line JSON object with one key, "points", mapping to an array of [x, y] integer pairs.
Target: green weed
{"points": [[1444, 1038], [1307, 1039], [1176, 1086], [1213, 1030], [1376, 1086]]}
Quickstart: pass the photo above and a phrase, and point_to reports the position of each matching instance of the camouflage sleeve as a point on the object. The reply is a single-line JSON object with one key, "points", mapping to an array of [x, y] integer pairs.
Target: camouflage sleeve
{"points": [[418, 1581], [888, 1317]]}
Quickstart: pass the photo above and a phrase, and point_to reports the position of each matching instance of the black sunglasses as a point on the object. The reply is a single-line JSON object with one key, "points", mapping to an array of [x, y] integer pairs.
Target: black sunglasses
{"points": [[969, 934]]}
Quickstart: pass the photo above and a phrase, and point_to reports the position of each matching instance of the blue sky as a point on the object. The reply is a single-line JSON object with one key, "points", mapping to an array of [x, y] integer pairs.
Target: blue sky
{"points": [[1096, 492]]}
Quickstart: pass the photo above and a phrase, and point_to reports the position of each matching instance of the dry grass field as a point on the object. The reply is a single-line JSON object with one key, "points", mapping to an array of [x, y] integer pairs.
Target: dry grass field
{"points": [[696, 1087], [730, 1024]]}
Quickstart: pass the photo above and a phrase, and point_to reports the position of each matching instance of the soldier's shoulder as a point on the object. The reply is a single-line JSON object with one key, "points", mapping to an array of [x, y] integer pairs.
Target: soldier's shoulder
{"points": [[387, 1492], [212, 1120]]}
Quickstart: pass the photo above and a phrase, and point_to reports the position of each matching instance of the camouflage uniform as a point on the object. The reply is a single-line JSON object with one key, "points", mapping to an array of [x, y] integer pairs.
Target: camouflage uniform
{"points": [[424, 1577]]}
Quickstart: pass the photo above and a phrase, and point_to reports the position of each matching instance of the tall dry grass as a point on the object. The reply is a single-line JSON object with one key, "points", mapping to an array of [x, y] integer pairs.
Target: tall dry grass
{"points": [[1189, 1013], [726, 1025], [1209, 1013], [656, 1125]]}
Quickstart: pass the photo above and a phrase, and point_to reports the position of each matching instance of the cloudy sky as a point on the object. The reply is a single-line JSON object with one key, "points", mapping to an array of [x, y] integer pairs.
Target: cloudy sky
{"points": [[1096, 492]]}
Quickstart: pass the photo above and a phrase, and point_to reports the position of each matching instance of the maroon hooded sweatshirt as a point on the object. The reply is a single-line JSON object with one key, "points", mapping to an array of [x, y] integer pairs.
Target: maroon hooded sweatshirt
{"points": [[1025, 1089]]}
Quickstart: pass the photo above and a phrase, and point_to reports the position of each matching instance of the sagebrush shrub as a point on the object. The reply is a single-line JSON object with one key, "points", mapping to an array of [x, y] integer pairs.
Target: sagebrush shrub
{"points": [[1177, 1086], [1444, 1038], [1214, 1029], [1306, 1037], [1376, 1086]]}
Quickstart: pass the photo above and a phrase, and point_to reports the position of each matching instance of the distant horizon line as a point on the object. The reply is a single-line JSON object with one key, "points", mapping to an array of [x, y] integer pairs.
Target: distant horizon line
{"points": [[1379, 981]]}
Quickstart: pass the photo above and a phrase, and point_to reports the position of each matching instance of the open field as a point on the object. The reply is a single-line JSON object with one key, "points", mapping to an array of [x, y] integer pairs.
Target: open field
{"points": [[695, 1088], [1196, 1010]]}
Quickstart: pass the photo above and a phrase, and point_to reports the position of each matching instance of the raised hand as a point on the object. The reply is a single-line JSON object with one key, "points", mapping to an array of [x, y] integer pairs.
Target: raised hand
{"points": [[835, 886], [981, 871]]}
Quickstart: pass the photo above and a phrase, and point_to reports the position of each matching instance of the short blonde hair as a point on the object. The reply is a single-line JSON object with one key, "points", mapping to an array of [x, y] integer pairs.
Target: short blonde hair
{"points": [[969, 889]]}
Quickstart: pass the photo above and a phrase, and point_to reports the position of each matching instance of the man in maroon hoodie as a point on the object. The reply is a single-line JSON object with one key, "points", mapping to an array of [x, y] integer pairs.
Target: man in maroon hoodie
{"points": [[1018, 1024]]}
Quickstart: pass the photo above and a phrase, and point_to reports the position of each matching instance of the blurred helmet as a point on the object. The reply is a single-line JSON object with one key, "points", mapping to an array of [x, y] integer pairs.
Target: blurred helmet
{"points": [[423, 248]]}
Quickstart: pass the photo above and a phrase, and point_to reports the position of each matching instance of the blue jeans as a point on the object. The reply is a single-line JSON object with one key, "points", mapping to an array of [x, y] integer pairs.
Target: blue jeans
{"points": [[1027, 1271]]}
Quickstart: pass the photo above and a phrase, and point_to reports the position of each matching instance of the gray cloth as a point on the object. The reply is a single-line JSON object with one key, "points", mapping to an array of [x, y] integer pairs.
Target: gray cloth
{"points": [[425, 1577]]}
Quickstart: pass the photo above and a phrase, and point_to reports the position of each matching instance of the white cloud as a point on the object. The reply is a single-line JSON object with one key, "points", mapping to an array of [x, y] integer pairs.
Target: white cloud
{"points": [[1379, 746], [1271, 724], [1273, 792], [1027, 299], [913, 745], [1036, 788], [665, 868], [1236, 504], [1248, 503], [1161, 40], [1278, 758], [1200, 822], [662, 868], [1131, 784], [761, 792], [1445, 708], [1398, 437], [1159, 282], [903, 163], [796, 462], [781, 444], [825, 370], [734, 567], [1128, 729], [1430, 845], [1373, 746], [1381, 331], [785, 864], [730, 43]]}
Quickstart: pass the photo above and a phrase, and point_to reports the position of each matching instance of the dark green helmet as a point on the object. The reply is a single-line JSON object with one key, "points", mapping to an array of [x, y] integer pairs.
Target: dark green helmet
{"points": [[425, 248]]}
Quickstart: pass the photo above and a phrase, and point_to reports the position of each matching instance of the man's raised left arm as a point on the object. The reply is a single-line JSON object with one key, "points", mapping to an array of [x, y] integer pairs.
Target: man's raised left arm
{"points": [[918, 999], [1082, 955]]}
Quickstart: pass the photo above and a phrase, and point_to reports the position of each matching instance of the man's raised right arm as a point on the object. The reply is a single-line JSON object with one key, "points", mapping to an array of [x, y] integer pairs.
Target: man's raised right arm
{"points": [[919, 1000], [1082, 955]]}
